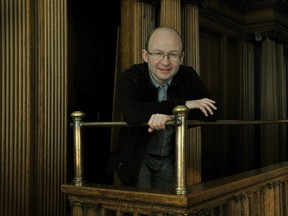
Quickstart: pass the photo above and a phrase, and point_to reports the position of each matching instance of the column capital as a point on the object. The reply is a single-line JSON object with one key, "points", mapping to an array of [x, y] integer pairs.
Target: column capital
{"points": [[198, 3], [151, 2], [252, 4], [259, 36]]}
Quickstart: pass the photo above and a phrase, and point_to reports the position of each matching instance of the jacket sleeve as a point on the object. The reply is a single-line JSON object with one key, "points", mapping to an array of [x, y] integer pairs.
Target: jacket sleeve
{"points": [[138, 98], [195, 89]]}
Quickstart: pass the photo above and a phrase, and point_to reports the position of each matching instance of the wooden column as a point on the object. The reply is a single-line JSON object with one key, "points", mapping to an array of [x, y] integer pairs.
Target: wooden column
{"points": [[269, 101], [170, 14], [136, 39], [137, 22], [126, 34], [148, 23], [247, 101], [192, 58], [51, 105], [273, 100], [281, 64], [191, 36], [33, 125]]}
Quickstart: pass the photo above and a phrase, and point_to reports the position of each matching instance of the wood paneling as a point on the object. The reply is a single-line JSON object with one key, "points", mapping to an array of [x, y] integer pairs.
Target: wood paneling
{"points": [[257, 192], [211, 66]]}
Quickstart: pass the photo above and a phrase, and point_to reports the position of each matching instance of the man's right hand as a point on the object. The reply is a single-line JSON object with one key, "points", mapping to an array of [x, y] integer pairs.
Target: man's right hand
{"points": [[158, 121]]}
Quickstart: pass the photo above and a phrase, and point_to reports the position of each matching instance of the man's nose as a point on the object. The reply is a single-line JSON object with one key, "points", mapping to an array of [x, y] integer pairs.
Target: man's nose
{"points": [[166, 58]]}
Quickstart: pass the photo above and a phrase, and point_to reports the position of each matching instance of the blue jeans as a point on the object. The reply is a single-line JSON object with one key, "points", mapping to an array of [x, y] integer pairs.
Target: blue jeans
{"points": [[157, 172]]}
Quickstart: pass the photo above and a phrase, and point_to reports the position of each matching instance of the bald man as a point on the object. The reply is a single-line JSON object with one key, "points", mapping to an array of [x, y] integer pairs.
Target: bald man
{"points": [[148, 92]]}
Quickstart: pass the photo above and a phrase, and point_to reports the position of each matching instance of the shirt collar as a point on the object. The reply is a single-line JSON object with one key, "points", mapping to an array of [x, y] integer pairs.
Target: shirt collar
{"points": [[157, 85]]}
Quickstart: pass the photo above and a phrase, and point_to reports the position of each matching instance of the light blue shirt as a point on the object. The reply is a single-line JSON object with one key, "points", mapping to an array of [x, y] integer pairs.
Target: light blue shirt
{"points": [[160, 143]]}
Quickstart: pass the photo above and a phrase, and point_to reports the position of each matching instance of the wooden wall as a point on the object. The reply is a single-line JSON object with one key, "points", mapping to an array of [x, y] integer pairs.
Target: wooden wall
{"points": [[34, 83], [241, 71], [242, 61], [257, 192]]}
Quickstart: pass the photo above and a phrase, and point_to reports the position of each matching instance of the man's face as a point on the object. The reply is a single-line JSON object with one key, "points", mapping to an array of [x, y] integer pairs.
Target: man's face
{"points": [[164, 55]]}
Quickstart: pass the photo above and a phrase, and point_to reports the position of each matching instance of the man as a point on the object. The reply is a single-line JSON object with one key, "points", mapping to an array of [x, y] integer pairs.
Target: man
{"points": [[148, 92]]}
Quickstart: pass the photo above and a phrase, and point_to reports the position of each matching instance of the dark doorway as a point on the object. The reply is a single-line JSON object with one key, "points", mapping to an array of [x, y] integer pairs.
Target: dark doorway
{"points": [[92, 37]]}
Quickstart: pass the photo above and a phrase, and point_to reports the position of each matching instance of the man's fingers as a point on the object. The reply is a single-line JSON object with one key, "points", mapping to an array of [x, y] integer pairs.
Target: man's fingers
{"points": [[150, 129], [206, 105], [158, 121]]}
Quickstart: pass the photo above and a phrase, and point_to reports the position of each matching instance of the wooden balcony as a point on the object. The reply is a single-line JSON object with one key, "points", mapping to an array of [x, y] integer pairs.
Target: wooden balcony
{"points": [[257, 192]]}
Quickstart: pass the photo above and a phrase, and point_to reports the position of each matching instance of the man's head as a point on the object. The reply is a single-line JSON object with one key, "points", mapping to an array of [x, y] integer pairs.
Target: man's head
{"points": [[163, 53]]}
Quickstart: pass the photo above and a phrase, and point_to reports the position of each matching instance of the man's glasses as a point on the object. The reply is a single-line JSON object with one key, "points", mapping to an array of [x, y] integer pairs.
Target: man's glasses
{"points": [[161, 55]]}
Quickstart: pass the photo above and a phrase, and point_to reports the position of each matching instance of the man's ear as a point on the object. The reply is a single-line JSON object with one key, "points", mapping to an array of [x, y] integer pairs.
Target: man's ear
{"points": [[145, 55], [182, 58]]}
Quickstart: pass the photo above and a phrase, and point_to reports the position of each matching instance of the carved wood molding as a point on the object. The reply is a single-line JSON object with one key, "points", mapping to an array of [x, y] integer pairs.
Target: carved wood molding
{"points": [[199, 3], [252, 4], [151, 2], [243, 4], [272, 35], [96, 201]]}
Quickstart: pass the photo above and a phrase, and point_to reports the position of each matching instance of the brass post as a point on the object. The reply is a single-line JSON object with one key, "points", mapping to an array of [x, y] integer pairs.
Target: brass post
{"points": [[181, 113], [79, 179]]}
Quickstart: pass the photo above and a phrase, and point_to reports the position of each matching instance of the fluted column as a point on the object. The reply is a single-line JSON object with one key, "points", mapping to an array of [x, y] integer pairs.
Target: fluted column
{"points": [[148, 23], [16, 116], [269, 101], [136, 39], [170, 14], [137, 21], [281, 64], [33, 125], [126, 34], [247, 101], [190, 36], [273, 101]]}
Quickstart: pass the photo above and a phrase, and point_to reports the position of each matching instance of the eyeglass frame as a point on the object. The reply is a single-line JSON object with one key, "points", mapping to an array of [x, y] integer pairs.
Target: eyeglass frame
{"points": [[168, 55]]}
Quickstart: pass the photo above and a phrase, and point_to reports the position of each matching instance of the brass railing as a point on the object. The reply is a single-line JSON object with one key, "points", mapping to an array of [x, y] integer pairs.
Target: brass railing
{"points": [[256, 192], [180, 123]]}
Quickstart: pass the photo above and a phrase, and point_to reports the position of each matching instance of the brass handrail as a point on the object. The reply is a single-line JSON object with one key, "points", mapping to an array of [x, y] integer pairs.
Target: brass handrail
{"points": [[180, 113], [175, 122], [180, 123], [235, 122]]}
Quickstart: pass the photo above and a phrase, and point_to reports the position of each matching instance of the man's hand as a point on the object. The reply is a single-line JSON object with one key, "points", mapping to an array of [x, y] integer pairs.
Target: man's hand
{"points": [[158, 121], [206, 105]]}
